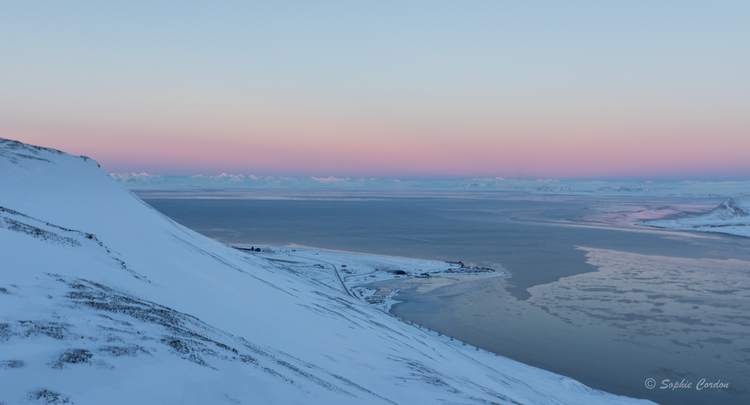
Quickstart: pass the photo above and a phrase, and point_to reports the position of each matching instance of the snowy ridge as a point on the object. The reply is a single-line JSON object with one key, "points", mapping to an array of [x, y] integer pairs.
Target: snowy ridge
{"points": [[730, 217], [105, 300]]}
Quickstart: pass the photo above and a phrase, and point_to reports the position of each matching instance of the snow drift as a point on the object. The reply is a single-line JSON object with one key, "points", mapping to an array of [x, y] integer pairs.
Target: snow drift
{"points": [[105, 300]]}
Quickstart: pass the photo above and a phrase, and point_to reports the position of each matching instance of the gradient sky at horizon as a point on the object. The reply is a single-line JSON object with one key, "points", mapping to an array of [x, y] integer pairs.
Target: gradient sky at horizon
{"points": [[438, 89]]}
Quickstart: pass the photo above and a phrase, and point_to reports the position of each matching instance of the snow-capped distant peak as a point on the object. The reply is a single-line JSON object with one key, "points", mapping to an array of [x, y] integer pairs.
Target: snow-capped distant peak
{"points": [[734, 207]]}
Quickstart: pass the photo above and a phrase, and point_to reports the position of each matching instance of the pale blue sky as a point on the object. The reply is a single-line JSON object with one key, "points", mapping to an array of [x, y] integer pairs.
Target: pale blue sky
{"points": [[90, 77]]}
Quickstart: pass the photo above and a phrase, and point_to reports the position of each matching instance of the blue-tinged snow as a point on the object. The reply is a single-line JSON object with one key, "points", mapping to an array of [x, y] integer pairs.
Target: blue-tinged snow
{"points": [[105, 300]]}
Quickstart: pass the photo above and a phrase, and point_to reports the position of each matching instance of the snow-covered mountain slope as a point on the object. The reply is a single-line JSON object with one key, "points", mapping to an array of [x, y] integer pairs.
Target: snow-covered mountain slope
{"points": [[105, 300], [731, 217]]}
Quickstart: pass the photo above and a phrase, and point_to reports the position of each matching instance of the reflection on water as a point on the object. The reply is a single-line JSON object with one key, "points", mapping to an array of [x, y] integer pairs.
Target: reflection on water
{"points": [[589, 295]]}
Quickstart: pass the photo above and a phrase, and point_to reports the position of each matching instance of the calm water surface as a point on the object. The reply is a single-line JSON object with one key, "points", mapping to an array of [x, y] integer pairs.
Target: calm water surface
{"points": [[589, 296]]}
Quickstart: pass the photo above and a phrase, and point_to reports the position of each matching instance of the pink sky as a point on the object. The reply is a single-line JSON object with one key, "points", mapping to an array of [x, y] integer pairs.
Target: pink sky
{"points": [[552, 150]]}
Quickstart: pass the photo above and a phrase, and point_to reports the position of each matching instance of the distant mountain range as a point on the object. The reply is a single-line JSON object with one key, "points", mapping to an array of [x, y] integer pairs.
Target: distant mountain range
{"points": [[572, 187]]}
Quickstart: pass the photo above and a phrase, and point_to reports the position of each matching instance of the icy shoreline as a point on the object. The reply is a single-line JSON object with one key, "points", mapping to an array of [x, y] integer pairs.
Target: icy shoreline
{"points": [[353, 272]]}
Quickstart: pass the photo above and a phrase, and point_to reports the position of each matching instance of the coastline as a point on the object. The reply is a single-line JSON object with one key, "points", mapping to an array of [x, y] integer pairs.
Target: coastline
{"points": [[428, 303], [355, 273]]}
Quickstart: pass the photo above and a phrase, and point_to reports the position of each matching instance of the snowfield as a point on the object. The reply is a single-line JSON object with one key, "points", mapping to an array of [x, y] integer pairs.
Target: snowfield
{"points": [[731, 217], [103, 300]]}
